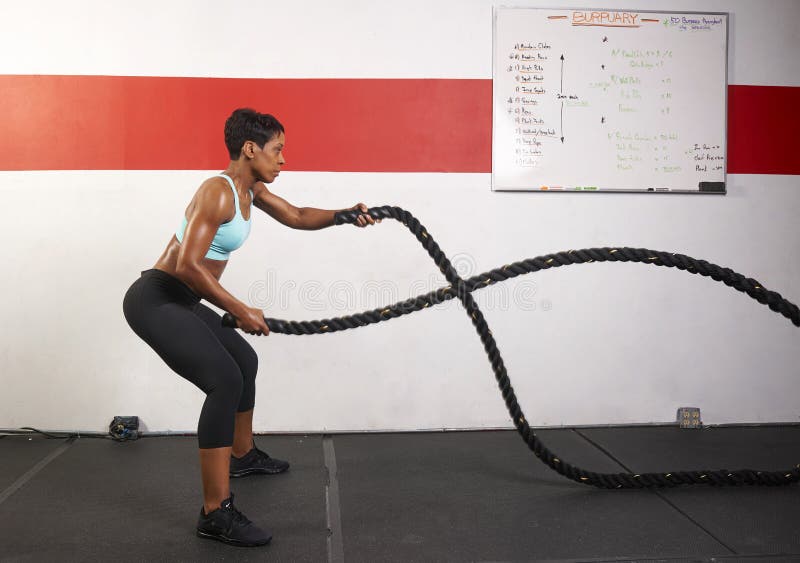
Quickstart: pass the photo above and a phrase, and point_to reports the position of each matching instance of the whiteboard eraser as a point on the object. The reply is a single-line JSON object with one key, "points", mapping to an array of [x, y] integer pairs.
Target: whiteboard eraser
{"points": [[717, 187]]}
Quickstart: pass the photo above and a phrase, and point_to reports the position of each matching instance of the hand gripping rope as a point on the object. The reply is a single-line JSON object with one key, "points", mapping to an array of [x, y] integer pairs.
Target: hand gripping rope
{"points": [[462, 289]]}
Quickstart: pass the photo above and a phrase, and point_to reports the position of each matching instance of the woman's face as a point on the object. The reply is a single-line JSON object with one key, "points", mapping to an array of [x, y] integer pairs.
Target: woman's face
{"points": [[267, 161]]}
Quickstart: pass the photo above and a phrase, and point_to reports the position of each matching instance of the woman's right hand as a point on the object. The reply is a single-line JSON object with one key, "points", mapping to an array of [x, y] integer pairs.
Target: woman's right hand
{"points": [[251, 321]]}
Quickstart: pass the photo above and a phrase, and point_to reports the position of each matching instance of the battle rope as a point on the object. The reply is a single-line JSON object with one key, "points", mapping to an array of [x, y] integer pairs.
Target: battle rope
{"points": [[462, 289]]}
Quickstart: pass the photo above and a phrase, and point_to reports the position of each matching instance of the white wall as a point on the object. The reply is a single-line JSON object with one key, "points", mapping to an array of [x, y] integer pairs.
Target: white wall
{"points": [[606, 343]]}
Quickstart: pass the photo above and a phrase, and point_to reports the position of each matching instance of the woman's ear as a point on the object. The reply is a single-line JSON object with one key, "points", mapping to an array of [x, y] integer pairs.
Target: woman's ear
{"points": [[248, 150]]}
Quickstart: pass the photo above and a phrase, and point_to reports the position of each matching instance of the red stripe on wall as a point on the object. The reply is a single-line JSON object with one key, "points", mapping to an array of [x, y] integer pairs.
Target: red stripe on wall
{"points": [[763, 130], [151, 123], [361, 125]]}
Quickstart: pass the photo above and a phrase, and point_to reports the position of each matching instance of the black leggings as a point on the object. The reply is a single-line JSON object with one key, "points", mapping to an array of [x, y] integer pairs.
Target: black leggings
{"points": [[190, 338]]}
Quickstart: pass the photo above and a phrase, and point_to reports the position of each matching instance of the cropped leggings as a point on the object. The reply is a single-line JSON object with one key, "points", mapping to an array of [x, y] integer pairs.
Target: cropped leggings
{"points": [[165, 313]]}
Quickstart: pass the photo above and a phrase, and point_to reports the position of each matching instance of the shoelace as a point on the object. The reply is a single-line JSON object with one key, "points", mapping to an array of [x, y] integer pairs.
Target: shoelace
{"points": [[262, 455], [237, 515]]}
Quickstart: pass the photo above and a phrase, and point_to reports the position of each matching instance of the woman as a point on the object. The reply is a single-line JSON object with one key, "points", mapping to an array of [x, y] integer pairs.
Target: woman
{"points": [[163, 308]]}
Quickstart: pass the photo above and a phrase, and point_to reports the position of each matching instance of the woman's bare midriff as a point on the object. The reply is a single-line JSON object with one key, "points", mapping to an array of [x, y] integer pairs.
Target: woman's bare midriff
{"points": [[168, 261]]}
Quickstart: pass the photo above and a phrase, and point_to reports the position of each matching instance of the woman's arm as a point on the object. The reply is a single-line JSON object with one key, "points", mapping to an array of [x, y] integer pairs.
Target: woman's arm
{"points": [[212, 207], [306, 218]]}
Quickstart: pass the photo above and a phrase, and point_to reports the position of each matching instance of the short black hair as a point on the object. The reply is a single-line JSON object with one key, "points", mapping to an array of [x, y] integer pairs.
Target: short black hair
{"points": [[246, 124]]}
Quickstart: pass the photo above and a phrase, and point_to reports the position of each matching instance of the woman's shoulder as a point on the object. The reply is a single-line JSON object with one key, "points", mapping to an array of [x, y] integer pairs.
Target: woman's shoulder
{"points": [[214, 184], [214, 196], [215, 187]]}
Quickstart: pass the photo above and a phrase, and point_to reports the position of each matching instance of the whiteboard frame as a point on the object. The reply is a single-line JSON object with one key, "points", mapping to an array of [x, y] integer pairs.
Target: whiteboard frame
{"points": [[727, 15]]}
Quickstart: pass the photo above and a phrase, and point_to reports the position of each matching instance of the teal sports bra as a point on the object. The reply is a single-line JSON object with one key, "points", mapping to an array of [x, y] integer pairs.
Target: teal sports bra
{"points": [[230, 235]]}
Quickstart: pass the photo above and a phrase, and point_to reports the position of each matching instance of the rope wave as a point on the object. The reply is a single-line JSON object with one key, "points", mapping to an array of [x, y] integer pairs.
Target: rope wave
{"points": [[462, 289]]}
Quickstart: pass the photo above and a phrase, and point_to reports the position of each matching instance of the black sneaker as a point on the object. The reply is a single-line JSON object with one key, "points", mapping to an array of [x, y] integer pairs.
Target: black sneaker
{"points": [[228, 525], [256, 461]]}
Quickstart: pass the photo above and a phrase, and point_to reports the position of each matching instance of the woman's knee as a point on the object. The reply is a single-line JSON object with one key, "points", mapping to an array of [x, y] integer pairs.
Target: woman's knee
{"points": [[226, 383], [249, 369], [248, 363]]}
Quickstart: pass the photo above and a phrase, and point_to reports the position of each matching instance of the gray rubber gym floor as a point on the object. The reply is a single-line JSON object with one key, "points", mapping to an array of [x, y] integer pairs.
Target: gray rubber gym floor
{"points": [[455, 496]]}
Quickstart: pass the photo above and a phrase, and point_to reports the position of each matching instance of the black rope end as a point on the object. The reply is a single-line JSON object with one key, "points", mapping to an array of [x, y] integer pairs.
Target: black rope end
{"points": [[228, 321]]}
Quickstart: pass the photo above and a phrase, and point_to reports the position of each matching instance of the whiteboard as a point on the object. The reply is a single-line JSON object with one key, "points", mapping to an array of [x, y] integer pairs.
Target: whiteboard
{"points": [[609, 100]]}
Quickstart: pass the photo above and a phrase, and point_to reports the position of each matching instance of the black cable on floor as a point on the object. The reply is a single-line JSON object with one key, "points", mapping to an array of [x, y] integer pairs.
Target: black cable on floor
{"points": [[48, 435]]}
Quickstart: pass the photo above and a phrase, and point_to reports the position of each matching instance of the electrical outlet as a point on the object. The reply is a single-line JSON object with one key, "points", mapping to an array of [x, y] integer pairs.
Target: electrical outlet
{"points": [[124, 428], [689, 417]]}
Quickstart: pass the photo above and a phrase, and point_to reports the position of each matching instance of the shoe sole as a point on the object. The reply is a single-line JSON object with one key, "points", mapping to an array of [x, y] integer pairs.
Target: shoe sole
{"points": [[231, 541], [246, 472]]}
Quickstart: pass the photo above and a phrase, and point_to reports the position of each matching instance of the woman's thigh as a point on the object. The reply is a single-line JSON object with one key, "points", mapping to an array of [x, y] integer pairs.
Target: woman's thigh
{"points": [[188, 346], [231, 339]]}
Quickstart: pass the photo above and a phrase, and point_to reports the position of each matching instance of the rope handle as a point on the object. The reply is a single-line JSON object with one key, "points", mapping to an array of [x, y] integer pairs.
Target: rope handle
{"points": [[350, 215], [229, 321]]}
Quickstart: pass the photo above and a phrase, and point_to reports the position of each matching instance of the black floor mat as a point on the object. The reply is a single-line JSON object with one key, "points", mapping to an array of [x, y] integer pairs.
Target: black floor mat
{"points": [[455, 496], [139, 501], [749, 520]]}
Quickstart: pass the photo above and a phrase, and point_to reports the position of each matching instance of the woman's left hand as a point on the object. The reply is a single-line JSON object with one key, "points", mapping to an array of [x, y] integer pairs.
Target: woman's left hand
{"points": [[363, 220]]}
